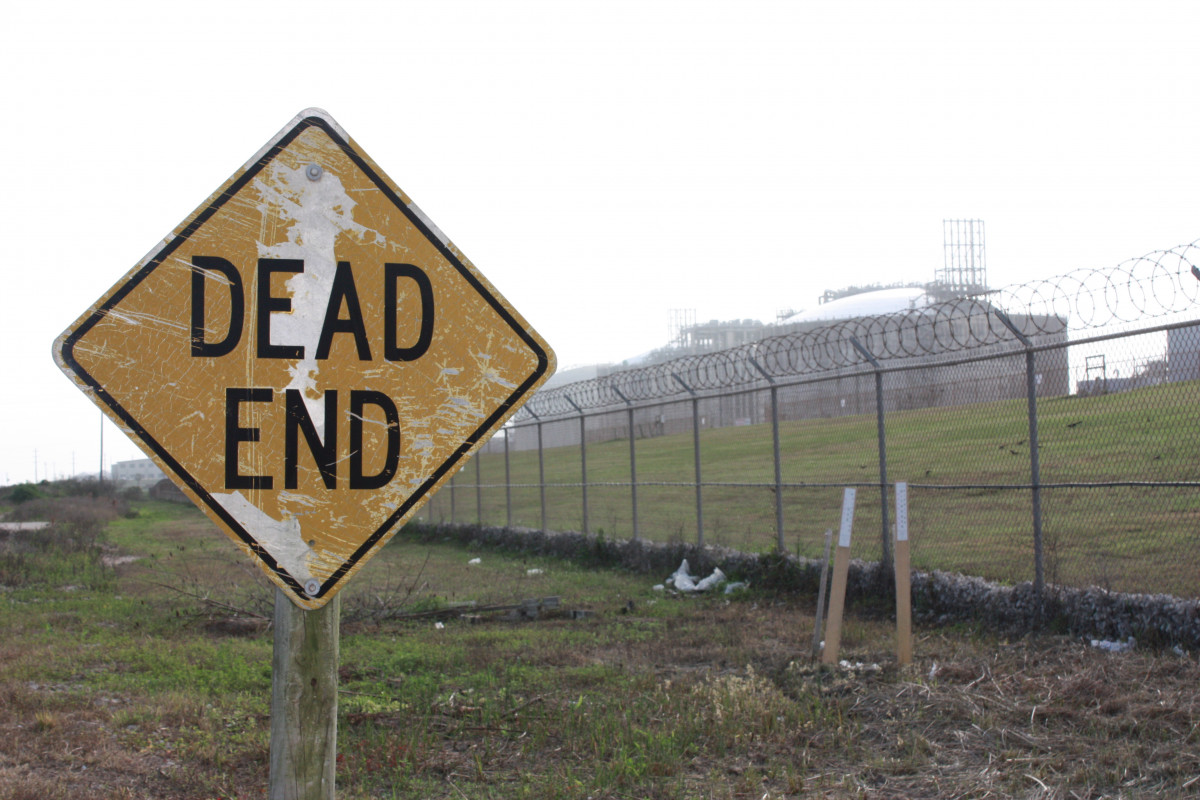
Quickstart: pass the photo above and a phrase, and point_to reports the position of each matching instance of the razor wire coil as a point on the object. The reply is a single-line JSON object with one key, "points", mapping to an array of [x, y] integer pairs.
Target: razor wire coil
{"points": [[1151, 286]]}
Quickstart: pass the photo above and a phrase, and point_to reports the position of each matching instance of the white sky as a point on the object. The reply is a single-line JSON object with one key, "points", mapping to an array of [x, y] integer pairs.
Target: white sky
{"points": [[601, 162]]}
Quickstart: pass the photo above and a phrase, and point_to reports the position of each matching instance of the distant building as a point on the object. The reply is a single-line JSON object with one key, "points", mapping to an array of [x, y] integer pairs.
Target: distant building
{"points": [[864, 304], [142, 473], [566, 375], [709, 337]]}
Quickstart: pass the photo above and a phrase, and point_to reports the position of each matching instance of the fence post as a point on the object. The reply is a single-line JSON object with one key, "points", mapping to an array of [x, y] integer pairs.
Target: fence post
{"points": [[453, 481], [779, 545], [478, 490], [886, 542], [542, 475], [541, 467], [582, 458], [1035, 474], [696, 452], [507, 482], [632, 461]]}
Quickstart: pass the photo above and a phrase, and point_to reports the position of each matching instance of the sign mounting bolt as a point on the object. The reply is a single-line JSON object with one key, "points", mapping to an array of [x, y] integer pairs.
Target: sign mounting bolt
{"points": [[312, 586], [314, 172]]}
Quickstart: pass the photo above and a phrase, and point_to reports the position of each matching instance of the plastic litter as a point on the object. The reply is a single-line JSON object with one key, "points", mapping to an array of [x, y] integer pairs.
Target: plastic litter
{"points": [[1114, 646], [474, 561], [730, 588], [716, 579], [534, 571], [683, 581]]}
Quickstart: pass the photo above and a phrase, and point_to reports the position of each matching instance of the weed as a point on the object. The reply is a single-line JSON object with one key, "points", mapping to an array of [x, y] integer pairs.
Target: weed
{"points": [[45, 721]]}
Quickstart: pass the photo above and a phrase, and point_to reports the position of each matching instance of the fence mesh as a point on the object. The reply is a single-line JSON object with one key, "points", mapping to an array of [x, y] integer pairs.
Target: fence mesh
{"points": [[1047, 433]]}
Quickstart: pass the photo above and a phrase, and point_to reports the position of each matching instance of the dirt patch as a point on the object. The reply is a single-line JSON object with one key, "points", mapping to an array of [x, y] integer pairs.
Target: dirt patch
{"points": [[60, 744]]}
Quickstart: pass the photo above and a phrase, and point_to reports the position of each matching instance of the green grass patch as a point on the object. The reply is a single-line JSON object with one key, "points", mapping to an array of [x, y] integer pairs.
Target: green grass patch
{"points": [[961, 463]]}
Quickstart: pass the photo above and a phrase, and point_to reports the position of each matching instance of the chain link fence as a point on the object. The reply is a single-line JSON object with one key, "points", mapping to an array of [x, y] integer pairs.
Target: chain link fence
{"points": [[1048, 433]]}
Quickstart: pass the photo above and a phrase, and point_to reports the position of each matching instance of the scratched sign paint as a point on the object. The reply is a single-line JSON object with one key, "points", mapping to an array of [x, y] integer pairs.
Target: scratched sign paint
{"points": [[307, 357]]}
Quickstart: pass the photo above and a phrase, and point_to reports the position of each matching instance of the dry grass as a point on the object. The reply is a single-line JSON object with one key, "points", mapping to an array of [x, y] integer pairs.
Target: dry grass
{"points": [[652, 696]]}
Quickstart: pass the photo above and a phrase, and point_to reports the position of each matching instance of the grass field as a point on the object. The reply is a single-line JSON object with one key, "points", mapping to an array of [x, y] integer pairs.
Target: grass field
{"points": [[956, 459], [136, 664]]}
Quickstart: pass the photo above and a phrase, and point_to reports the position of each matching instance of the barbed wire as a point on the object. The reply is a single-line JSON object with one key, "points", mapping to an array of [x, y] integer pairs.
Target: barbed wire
{"points": [[1154, 285]]}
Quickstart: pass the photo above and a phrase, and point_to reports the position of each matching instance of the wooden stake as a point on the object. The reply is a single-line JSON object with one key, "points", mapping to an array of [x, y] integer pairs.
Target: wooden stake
{"points": [[903, 579], [837, 595], [820, 618], [304, 683]]}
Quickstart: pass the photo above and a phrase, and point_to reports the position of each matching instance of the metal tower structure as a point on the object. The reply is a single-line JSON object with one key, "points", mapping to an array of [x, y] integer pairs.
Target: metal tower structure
{"points": [[679, 327], [965, 266]]}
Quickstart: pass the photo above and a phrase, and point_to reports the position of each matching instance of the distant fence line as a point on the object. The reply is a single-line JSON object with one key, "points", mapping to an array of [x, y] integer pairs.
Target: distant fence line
{"points": [[955, 355]]}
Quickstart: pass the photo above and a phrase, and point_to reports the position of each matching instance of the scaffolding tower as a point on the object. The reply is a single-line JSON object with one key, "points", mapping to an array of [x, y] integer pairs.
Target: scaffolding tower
{"points": [[964, 270], [679, 327]]}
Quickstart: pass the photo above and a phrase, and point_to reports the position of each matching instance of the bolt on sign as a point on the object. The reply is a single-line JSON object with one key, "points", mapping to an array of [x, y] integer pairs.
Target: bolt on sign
{"points": [[307, 357]]}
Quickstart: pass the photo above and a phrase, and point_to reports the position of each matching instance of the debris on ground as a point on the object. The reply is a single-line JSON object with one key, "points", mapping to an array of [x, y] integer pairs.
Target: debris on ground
{"points": [[1114, 646], [472, 612], [683, 581], [532, 608]]}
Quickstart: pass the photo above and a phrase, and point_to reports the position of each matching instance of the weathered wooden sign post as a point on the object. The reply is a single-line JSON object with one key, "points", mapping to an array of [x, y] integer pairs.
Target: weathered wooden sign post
{"points": [[309, 359], [841, 571]]}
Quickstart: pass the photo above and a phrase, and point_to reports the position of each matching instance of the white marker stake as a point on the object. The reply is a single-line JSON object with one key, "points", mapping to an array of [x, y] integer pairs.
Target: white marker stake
{"points": [[837, 594], [903, 579]]}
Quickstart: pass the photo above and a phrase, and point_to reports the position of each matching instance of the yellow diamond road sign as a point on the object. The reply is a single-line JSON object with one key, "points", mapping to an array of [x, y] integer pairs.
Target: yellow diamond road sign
{"points": [[307, 357]]}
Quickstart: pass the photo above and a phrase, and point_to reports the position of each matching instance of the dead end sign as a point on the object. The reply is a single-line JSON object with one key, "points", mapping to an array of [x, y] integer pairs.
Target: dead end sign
{"points": [[307, 357]]}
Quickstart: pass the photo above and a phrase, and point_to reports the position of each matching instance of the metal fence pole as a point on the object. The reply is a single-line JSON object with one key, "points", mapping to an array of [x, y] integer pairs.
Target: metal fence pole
{"points": [[542, 475], [779, 545], [632, 462], [478, 491], [696, 452], [1035, 475], [582, 457], [885, 538], [453, 481], [541, 467], [507, 482]]}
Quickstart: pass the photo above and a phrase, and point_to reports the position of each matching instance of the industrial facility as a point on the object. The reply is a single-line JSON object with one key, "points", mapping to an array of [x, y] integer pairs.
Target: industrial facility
{"points": [[925, 328]]}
